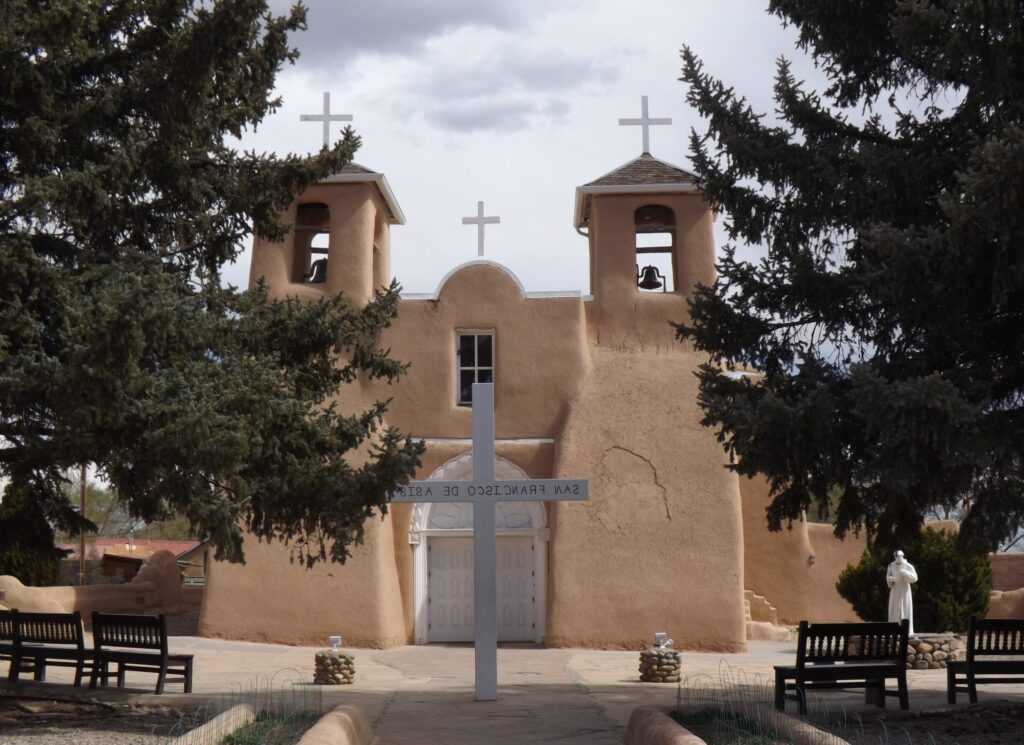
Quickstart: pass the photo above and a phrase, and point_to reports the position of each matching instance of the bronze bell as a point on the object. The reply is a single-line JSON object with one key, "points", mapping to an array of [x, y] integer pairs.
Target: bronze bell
{"points": [[650, 278], [317, 272]]}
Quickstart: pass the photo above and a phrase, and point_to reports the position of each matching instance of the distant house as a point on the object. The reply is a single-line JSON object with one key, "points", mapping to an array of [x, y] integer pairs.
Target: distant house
{"points": [[125, 556]]}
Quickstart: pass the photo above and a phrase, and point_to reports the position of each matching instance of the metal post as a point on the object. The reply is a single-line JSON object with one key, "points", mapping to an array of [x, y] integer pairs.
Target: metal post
{"points": [[81, 535]]}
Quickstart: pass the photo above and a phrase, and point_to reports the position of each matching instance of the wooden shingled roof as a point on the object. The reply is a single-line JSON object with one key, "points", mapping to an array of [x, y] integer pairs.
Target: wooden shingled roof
{"points": [[645, 170], [643, 174]]}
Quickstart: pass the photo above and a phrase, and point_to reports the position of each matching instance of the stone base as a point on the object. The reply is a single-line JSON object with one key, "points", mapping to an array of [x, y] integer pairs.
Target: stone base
{"points": [[334, 668], [930, 652], [660, 666]]}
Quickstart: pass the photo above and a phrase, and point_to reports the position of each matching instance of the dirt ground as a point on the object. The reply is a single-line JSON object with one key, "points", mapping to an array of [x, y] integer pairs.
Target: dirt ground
{"points": [[85, 721], [980, 724]]}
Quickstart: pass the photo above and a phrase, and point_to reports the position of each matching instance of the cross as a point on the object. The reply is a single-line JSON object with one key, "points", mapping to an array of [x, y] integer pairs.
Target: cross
{"points": [[484, 492], [327, 117], [480, 221], [645, 121]]}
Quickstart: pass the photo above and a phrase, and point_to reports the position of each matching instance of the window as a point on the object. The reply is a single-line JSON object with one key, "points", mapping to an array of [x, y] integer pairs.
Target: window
{"points": [[312, 238], [655, 249], [474, 359]]}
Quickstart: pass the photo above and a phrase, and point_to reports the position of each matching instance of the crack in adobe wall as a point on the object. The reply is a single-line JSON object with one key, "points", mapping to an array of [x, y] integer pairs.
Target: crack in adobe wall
{"points": [[657, 483]]}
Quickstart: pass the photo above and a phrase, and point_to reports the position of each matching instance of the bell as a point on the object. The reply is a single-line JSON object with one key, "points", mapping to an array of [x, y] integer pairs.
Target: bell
{"points": [[650, 278], [317, 272]]}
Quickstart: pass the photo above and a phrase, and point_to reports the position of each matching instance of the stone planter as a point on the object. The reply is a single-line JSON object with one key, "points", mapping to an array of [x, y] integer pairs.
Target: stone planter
{"points": [[334, 668], [660, 665], [931, 652]]}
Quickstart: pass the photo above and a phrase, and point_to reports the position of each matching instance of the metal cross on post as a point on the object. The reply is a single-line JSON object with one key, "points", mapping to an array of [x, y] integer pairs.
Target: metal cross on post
{"points": [[484, 492], [327, 117], [480, 221], [645, 122]]}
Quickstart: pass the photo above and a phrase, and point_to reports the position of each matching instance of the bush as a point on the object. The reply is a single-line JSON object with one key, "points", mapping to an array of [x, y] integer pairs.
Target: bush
{"points": [[26, 550], [952, 585]]}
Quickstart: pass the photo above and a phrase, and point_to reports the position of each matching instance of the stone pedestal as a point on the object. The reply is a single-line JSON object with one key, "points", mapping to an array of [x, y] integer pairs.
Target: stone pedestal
{"points": [[660, 665], [334, 668], [931, 651]]}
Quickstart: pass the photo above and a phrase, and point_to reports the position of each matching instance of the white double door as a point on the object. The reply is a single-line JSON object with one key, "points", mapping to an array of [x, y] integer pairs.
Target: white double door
{"points": [[450, 589]]}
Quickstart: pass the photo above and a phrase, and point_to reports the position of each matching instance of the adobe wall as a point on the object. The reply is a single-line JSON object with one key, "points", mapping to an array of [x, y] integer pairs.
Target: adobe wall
{"points": [[779, 565], [1007, 571], [157, 588], [357, 223], [659, 544], [620, 316], [540, 351], [270, 599]]}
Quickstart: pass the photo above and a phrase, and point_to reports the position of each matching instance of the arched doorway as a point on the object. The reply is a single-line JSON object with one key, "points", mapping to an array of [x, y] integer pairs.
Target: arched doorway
{"points": [[441, 534]]}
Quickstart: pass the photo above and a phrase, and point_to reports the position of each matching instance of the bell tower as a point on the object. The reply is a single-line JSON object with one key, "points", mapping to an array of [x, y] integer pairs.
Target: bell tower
{"points": [[651, 243], [339, 242]]}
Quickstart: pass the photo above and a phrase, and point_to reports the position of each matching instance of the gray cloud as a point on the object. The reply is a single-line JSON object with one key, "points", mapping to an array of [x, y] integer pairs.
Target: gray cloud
{"points": [[494, 114], [339, 32], [513, 88]]}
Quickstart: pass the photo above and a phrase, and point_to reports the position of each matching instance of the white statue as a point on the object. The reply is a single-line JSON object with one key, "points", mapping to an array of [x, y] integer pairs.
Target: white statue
{"points": [[899, 576]]}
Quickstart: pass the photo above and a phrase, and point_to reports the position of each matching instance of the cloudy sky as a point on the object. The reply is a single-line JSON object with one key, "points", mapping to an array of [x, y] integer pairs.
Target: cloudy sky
{"points": [[513, 103]]}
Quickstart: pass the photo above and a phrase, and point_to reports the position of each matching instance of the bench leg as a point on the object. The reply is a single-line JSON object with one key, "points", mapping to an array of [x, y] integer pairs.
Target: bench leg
{"points": [[120, 675], [79, 671], [874, 693], [188, 676], [950, 684], [972, 687], [901, 681], [801, 697], [780, 692], [40, 671], [161, 677]]}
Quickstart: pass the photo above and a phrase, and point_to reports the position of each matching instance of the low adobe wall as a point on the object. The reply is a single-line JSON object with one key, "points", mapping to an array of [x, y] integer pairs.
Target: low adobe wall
{"points": [[1007, 571], [157, 587]]}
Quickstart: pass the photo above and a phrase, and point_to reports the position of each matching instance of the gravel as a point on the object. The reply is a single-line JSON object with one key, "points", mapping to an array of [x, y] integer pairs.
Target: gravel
{"points": [[25, 721]]}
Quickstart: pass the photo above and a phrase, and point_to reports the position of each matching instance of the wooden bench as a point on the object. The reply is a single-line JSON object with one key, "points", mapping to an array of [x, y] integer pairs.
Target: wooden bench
{"points": [[136, 643], [990, 638], [7, 638], [846, 655], [33, 641]]}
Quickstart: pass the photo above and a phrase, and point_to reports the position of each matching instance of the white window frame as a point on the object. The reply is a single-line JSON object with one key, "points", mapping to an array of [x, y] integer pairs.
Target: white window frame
{"points": [[459, 367]]}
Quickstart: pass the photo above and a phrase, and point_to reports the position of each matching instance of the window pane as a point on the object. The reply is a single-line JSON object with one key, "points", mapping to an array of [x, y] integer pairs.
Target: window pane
{"points": [[483, 350], [466, 387], [467, 353], [485, 376]]}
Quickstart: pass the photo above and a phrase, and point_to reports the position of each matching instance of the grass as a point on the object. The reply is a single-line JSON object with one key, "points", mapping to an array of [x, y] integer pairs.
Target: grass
{"points": [[720, 727], [272, 730]]}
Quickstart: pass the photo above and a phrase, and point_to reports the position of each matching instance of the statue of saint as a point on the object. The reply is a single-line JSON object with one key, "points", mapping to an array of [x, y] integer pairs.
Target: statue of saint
{"points": [[899, 576]]}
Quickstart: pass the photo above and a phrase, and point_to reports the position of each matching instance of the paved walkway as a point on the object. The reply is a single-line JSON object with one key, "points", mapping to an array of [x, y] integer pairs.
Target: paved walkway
{"points": [[424, 695]]}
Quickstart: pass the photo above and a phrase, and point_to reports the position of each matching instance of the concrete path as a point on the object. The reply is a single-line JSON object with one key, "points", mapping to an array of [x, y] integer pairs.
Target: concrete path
{"points": [[424, 695]]}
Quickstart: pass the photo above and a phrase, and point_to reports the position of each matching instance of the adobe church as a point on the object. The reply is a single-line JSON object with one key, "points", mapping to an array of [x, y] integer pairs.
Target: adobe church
{"points": [[591, 387]]}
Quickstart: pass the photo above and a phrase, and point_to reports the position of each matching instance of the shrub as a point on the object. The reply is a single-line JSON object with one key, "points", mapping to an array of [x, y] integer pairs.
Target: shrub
{"points": [[952, 585], [26, 550]]}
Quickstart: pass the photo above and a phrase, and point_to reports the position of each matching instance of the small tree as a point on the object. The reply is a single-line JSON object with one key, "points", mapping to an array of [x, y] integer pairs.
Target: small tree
{"points": [[26, 547], [952, 585]]}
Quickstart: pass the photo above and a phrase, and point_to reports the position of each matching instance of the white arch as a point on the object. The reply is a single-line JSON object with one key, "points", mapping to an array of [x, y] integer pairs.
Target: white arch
{"points": [[455, 519]]}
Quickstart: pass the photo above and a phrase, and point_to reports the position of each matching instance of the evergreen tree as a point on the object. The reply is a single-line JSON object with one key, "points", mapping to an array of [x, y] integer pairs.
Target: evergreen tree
{"points": [[885, 320], [121, 201]]}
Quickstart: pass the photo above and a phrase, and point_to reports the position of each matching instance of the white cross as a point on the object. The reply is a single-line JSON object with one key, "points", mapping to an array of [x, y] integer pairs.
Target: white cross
{"points": [[327, 117], [645, 121], [484, 492], [480, 221]]}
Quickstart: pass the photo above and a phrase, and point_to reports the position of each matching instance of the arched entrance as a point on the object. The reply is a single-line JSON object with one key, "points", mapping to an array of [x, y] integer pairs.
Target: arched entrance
{"points": [[441, 534]]}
